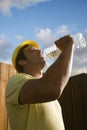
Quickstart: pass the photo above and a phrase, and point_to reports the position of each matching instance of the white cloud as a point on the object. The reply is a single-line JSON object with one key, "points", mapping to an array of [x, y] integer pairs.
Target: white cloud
{"points": [[63, 30], [5, 48], [79, 70], [19, 37], [80, 61], [6, 5], [48, 36], [45, 36]]}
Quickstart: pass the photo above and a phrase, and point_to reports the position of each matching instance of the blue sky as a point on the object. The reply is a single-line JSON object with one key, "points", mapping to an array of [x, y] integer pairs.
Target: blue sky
{"points": [[43, 21]]}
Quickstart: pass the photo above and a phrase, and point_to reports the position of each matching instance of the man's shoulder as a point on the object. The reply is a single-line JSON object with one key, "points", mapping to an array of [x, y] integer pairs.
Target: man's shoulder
{"points": [[18, 79], [20, 76]]}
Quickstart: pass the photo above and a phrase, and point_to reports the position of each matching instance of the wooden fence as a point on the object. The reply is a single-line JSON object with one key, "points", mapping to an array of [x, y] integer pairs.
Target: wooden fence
{"points": [[6, 70], [74, 103]]}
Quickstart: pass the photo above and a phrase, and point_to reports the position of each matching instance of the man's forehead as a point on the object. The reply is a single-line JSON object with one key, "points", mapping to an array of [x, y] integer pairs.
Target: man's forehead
{"points": [[29, 47]]}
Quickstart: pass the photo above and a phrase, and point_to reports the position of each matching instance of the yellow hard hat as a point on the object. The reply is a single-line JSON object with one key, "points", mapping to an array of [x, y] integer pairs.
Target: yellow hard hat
{"points": [[16, 51]]}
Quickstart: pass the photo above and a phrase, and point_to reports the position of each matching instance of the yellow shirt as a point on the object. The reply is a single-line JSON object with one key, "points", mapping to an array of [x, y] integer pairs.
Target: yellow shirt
{"points": [[41, 116]]}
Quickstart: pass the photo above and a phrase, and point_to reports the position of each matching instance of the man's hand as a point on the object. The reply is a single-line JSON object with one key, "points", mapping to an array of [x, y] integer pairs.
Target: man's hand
{"points": [[64, 42]]}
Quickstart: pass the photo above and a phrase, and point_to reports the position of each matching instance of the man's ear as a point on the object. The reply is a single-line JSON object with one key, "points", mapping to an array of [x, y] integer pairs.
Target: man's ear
{"points": [[22, 62]]}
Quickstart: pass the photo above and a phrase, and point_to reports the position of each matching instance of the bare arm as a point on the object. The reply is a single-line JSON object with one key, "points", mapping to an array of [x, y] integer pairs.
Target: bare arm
{"points": [[51, 85]]}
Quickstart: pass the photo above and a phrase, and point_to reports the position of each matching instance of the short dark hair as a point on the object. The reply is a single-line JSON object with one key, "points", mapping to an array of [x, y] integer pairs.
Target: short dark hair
{"points": [[20, 56]]}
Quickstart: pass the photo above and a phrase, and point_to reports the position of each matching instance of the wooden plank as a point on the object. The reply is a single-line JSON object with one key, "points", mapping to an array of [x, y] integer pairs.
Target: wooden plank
{"points": [[6, 70], [3, 80], [11, 72]]}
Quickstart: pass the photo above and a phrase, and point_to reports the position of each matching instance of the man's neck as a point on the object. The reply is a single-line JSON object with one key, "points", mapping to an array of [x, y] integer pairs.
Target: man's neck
{"points": [[33, 73]]}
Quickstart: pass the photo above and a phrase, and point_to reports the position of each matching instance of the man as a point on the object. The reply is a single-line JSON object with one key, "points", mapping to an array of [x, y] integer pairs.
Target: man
{"points": [[31, 98]]}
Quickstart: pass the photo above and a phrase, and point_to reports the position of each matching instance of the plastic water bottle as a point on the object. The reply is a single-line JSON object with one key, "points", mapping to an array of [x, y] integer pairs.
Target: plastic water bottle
{"points": [[53, 52]]}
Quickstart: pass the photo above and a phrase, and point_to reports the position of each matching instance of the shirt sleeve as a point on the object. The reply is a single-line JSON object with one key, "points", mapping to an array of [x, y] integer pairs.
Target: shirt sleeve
{"points": [[13, 88]]}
